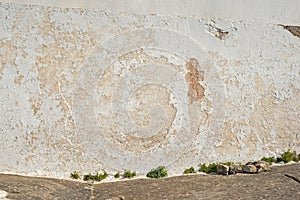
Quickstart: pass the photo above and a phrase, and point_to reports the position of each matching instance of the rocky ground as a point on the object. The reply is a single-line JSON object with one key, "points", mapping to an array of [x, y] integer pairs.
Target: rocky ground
{"points": [[282, 182]]}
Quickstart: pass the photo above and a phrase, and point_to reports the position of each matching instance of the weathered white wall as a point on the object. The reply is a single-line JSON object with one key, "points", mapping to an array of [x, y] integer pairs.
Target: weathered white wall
{"points": [[84, 89], [270, 11]]}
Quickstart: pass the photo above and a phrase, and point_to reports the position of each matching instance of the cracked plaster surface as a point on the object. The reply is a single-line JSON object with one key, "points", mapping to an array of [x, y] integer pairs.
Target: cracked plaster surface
{"points": [[83, 89]]}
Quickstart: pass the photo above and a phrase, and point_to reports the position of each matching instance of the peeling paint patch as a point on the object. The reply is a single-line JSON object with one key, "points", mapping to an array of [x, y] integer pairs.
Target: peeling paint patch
{"points": [[295, 30], [221, 34], [193, 77], [220, 31]]}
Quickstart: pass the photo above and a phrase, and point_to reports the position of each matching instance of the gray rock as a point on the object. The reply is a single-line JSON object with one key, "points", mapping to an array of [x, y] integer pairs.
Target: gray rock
{"points": [[222, 169], [262, 167], [249, 168], [234, 169]]}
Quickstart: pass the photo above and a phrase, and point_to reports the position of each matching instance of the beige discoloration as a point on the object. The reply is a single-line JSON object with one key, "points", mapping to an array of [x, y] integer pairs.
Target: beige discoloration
{"points": [[18, 79], [259, 84], [36, 105], [8, 55], [148, 105], [193, 77]]}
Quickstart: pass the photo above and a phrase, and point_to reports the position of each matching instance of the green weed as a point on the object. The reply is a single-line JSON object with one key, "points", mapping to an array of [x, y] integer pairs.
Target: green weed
{"points": [[97, 177], [208, 169], [117, 175], [158, 172], [75, 175], [288, 157], [269, 160], [129, 174], [190, 170]]}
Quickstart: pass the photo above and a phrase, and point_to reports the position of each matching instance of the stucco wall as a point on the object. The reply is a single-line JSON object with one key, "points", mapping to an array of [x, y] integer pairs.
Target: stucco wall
{"points": [[270, 11], [84, 89]]}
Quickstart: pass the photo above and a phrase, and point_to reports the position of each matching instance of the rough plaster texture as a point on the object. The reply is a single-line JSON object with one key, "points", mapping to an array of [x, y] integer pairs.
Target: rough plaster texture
{"points": [[270, 11], [85, 89]]}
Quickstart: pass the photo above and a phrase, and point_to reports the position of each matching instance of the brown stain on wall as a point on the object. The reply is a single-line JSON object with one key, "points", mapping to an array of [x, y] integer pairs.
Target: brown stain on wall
{"points": [[193, 77]]}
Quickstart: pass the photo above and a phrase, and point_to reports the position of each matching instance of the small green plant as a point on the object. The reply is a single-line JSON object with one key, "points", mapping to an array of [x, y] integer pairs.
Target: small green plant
{"points": [[190, 170], [129, 174], [158, 172], [227, 163], [75, 175], [97, 177], [208, 169], [269, 160], [288, 156], [88, 177], [117, 175]]}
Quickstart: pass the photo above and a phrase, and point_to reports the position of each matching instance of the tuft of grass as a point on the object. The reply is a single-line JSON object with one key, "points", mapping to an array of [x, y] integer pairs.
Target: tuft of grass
{"points": [[190, 170], [227, 163], [117, 175], [88, 177], [285, 157], [158, 172], [129, 174], [269, 160], [288, 157], [208, 169], [97, 177], [75, 175]]}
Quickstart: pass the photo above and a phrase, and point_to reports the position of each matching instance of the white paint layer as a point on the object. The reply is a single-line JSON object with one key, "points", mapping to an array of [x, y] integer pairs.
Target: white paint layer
{"points": [[279, 11]]}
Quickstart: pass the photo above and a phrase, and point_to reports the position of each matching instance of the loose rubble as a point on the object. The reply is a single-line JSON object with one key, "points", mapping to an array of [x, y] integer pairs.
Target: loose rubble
{"points": [[222, 169], [250, 168]]}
